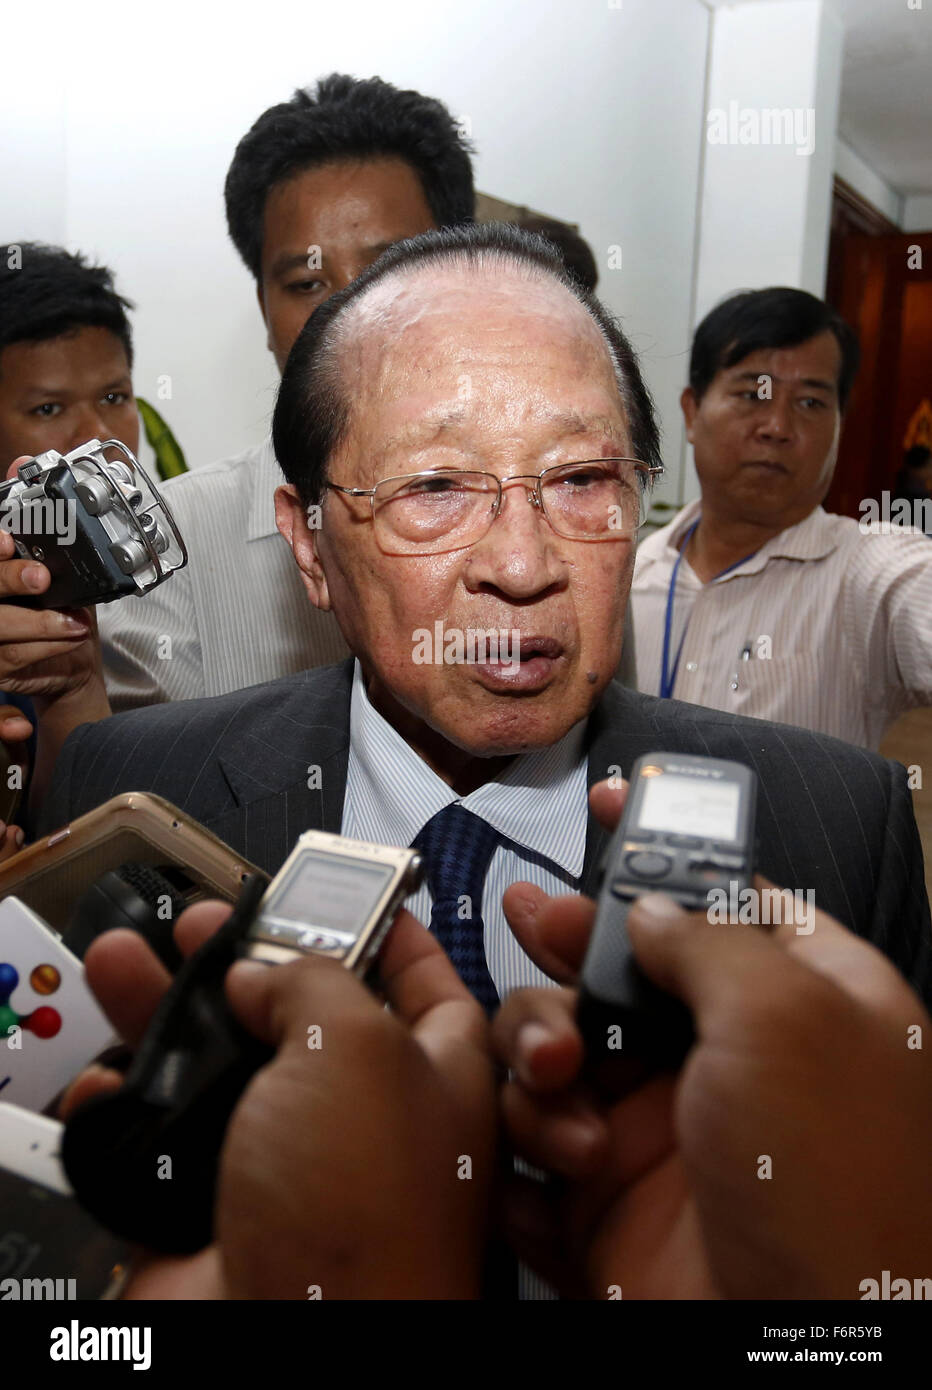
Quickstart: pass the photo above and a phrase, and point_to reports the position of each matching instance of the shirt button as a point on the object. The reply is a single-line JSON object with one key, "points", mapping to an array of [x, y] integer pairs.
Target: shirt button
{"points": [[692, 666]]}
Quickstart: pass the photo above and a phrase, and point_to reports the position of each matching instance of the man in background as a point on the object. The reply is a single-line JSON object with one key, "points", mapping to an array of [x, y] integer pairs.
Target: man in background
{"points": [[755, 600], [317, 188], [66, 357]]}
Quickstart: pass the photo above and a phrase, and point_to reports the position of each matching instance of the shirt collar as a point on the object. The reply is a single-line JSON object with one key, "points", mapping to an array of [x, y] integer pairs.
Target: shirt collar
{"points": [[538, 802], [810, 539], [266, 477]]}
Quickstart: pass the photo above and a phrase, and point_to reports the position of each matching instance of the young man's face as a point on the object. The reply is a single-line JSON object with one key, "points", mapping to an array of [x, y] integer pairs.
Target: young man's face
{"points": [[765, 433], [322, 228], [60, 393]]}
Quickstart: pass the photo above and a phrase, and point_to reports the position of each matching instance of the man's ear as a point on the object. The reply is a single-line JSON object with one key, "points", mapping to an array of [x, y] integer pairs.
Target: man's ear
{"points": [[268, 332], [301, 528], [689, 406]]}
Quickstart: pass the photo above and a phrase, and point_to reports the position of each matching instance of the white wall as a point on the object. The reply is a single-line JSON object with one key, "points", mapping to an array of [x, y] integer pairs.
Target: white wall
{"points": [[117, 127], [766, 207]]}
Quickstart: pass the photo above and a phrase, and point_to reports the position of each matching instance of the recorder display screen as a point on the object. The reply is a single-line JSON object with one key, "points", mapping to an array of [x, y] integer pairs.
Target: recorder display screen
{"points": [[327, 891], [690, 806]]}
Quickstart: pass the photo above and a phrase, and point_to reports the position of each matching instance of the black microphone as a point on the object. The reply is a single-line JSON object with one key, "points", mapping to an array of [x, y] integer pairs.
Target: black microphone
{"points": [[135, 896]]}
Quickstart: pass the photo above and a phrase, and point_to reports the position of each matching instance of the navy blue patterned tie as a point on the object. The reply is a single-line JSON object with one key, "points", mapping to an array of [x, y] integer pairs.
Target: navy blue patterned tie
{"points": [[457, 847]]}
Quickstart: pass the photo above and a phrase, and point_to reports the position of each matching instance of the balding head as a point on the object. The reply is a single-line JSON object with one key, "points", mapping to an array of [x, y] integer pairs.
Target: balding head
{"points": [[411, 284]]}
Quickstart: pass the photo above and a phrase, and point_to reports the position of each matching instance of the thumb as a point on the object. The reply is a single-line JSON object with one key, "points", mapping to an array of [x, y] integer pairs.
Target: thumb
{"points": [[276, 1003], [720, 971]]}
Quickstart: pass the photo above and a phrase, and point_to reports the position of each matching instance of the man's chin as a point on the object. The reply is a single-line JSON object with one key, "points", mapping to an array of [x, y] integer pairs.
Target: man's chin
{"points": [[523, 727]]}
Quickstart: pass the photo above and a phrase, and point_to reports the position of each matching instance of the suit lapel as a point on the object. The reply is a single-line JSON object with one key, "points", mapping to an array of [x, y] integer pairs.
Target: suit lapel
{"points": [[619, 733], [288, 773]]}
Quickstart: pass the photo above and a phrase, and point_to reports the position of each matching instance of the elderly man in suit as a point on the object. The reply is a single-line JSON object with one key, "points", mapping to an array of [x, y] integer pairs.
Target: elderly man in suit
{"points": [[467, 439]]}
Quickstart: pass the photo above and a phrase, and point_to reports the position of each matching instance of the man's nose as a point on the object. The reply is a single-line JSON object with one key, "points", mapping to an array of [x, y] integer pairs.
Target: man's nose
{"points": [[776, 419], [89, 423], [518, 554]]}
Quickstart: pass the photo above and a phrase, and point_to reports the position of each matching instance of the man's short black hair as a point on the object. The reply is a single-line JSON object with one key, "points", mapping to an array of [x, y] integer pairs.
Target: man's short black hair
{"points": [[312, 411], [343, 118], [774, 318], [46, 291]]}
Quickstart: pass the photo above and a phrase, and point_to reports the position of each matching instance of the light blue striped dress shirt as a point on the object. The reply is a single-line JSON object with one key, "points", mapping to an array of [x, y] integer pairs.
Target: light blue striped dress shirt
{"points": [[539, 803]]}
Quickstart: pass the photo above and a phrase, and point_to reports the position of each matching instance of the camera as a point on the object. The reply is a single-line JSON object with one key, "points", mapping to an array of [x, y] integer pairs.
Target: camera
{"points": [[95, 521]]}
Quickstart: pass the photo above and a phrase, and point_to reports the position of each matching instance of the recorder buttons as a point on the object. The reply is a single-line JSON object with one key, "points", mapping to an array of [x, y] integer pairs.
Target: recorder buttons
{"points": [[647, 864]]}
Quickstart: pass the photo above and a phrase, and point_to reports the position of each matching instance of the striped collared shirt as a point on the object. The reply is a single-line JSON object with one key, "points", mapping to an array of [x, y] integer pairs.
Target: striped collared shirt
{"points": [[236, 615], [539, 803], [827, 626]]}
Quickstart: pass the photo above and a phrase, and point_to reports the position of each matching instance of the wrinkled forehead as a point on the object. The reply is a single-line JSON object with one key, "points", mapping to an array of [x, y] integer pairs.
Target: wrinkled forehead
{"points": [[458, 312]]}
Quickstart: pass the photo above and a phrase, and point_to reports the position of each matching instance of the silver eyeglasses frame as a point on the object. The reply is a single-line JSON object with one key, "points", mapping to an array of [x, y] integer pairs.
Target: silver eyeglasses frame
{"points": [[535, 496]]}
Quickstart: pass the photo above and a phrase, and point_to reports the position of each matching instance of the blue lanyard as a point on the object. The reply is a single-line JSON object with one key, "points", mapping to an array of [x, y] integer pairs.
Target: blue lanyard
{"points": [[668, 677]]}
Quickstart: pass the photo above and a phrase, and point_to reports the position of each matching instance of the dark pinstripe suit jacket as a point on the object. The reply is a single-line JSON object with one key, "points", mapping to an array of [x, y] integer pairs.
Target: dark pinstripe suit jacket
{"points": [[831, 817]]}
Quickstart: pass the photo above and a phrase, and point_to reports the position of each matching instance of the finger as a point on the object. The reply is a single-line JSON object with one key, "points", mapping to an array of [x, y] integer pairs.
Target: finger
{"points": [[823, 944], [429, 997], [127, 979], [416, 973], [14, 726], [22, 625], [23, 577], [16, 657], [13, 468], [554, 931], [11, 842], [278, 1003], [607, 800], [534, 1034], [561, 1133], [93, 1081], [198, 923], [736, 980]]}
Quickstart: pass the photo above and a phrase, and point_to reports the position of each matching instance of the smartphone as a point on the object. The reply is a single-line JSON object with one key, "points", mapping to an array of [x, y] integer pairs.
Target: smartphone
{"points": [[333, 897], [49, 1247], [687, 830], [64, 877]]}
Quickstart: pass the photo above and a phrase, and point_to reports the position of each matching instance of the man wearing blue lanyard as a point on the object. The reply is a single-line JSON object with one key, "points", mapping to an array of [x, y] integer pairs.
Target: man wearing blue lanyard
{"points": [[753, 599]]}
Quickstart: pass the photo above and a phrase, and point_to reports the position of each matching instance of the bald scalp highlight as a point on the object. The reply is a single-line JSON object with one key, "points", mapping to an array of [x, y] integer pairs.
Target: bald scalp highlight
{"points": [[313, 410]]}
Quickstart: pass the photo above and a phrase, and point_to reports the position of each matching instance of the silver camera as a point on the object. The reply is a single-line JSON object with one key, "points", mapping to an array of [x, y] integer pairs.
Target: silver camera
{"points": [[95, 521]]}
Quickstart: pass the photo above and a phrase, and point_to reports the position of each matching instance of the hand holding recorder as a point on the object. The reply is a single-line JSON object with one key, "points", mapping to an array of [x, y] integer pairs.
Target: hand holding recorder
{"points": [[75, 530], [342, 1165], [802, 1056]]}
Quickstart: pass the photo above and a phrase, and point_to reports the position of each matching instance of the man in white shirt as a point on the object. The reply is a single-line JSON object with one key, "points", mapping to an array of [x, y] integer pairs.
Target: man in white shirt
{"points": [[755, 600], [317, 188]]}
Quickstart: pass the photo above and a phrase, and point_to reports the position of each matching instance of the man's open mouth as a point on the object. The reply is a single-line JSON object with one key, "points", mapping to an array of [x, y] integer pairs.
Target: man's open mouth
{"points": [[524, 666]]}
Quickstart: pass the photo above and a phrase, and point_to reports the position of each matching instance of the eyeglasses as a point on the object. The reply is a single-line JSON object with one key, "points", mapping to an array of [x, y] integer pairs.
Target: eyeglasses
{"points": [[441, 510]]}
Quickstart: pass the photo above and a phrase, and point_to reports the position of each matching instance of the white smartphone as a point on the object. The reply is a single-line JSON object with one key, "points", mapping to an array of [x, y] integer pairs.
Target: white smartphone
{"points": [[50, 1248], [50, 1024]]}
